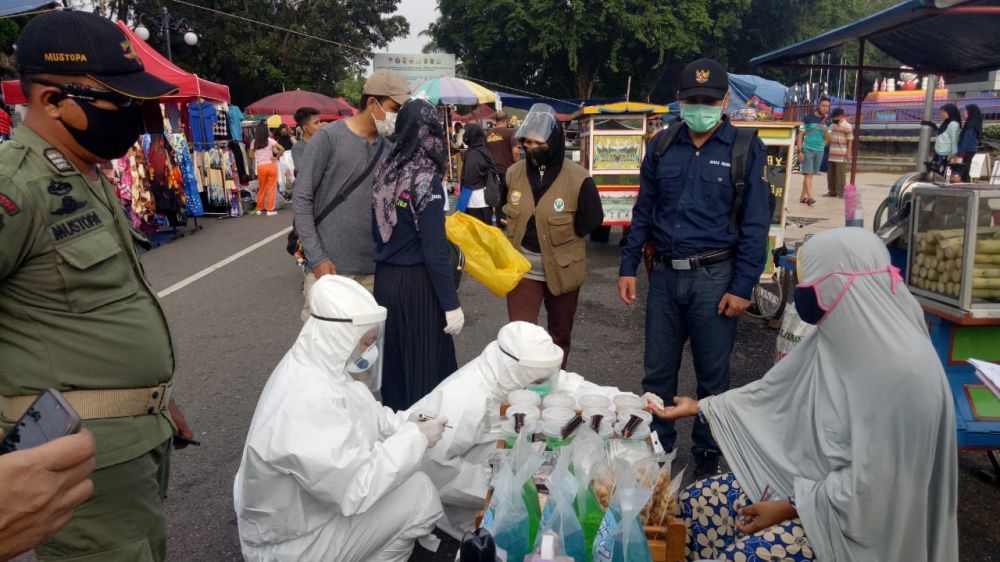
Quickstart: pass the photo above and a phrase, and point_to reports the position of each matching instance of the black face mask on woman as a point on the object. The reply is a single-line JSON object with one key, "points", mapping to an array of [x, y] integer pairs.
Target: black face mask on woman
{"points": [[539, 156], [109, 132]]}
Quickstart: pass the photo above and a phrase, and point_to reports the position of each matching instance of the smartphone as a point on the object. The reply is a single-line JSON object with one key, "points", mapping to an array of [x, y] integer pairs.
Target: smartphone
{"points": [[49, 417]]}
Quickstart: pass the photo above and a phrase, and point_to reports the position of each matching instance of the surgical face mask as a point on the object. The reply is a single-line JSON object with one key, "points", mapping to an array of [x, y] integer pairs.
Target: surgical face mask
{"points": [[701, 118], [365, 361], [810, 304], [110, 132], [387, 126]]}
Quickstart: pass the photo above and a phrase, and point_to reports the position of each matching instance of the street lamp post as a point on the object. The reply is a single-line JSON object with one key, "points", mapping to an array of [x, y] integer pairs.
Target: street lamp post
{"points": [[166, 25]]}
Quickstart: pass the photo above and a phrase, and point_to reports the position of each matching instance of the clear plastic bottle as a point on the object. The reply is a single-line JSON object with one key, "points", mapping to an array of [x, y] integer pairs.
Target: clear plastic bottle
{"points": [[854, 211]]}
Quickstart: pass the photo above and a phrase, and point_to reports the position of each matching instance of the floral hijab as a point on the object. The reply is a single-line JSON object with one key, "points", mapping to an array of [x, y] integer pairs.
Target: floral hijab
{"points": [[418, 156]]}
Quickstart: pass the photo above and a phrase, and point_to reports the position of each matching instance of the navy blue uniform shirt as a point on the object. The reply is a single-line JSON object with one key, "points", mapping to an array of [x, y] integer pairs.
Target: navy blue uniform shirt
{"points": [[685, 201], [427, 246]]}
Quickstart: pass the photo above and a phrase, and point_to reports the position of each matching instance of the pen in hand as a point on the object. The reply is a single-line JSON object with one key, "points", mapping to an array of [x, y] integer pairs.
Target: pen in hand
{"points": [[763, 497]]}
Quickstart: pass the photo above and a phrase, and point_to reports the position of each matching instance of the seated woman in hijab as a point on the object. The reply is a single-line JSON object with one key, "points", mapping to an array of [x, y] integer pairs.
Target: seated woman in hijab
{"points": [[849, 440]]}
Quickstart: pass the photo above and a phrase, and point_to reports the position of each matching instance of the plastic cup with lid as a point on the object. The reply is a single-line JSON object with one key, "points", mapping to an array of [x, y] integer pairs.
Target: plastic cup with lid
{"points": [[510, 436], [641, 430], [558, 415], [552, 430], [594, 401], [558, 401], [628, 401], [530, 412], [523, 397]]}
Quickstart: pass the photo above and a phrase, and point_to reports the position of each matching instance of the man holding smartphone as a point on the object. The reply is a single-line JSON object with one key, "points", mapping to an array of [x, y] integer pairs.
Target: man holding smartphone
{"points": [[78, 314]]}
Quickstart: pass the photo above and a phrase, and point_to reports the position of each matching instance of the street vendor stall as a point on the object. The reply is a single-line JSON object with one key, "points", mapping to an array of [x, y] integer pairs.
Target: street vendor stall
{"points": [[612, 145]]}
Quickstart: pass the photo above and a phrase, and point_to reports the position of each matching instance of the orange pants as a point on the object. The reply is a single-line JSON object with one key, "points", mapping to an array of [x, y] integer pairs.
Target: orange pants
{"points": [[267, 186]]}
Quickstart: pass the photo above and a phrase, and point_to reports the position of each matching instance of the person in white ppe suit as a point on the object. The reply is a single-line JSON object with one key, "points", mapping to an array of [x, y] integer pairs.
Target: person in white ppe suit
{"points": [[522, 354], [327, 472]]}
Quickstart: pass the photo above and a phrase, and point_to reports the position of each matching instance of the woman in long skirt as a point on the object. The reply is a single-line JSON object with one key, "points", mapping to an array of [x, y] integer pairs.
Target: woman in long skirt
{"points": [[413, 273]]}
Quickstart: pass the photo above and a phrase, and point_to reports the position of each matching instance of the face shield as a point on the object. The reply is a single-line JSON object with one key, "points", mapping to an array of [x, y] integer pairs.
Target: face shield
{"points": [[537, 367], [538, 124], [364, 364]]}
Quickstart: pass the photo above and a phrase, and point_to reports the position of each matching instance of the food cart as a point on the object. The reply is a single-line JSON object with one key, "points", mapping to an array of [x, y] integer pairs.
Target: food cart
{"points": [[612, 145]]}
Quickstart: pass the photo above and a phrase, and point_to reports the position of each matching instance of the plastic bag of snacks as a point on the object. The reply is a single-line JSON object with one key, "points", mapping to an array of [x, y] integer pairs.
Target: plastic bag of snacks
{"points": [[654, 472], [621, 537], [559, 516], [587, 452], [514, 513]]}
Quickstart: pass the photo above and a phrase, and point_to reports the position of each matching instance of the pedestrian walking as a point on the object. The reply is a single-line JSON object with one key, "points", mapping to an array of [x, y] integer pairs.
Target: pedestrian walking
{"points": [[810, 146], [841, 137], [266, 152], [552, 205], [946, 141], [332, 199], [78, 314], [505, 150], [477, 169], [968, 140], [709, 235], [413, 273]]}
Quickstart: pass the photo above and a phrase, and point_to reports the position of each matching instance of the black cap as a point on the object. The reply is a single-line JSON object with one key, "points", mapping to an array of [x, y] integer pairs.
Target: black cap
{"points": [[704, 77], [72, 43]]}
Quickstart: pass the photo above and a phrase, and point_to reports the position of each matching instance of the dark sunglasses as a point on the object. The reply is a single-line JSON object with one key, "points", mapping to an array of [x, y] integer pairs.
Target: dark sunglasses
{"points": [[90, 95]]}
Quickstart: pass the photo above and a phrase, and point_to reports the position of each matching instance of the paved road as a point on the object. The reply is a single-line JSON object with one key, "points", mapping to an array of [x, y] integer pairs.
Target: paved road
{"points": [[233, 325]]}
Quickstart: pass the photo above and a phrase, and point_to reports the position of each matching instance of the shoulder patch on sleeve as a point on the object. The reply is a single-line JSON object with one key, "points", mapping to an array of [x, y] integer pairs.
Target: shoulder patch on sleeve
{"points": [[9, 205]]}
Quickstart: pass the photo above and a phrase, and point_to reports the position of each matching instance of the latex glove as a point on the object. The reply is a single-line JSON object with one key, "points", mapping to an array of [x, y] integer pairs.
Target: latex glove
{"points": [[454, 319], [433, 430], [653, 400]]}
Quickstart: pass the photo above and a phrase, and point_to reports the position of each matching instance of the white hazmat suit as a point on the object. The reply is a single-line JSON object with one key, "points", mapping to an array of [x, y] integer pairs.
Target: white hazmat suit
{"points": [[327, 472]]}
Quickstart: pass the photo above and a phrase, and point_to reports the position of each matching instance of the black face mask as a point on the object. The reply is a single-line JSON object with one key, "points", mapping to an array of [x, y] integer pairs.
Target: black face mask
{"points": [[539, 156], [109, 132], [807, 305]]}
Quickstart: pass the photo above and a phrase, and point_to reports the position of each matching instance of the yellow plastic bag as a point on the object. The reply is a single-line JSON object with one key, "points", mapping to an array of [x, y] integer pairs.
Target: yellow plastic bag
{"points": [[489, 257]]}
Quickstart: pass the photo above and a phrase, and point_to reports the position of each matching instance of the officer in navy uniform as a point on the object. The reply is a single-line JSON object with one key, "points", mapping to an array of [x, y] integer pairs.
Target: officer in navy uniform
{"points": [[704, 267], [76, 311]]}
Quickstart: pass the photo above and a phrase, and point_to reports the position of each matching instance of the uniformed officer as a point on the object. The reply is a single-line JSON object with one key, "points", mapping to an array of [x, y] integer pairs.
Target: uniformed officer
{"points": [[76, 312], [708, 254]]}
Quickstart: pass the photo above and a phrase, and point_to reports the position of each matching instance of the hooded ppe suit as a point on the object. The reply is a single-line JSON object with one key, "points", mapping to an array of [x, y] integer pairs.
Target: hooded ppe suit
{"points": [[327, 472], [470, 398]]}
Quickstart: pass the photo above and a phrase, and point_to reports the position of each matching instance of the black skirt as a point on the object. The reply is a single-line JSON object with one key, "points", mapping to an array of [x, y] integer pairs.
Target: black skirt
{"points": [[418, 355]]}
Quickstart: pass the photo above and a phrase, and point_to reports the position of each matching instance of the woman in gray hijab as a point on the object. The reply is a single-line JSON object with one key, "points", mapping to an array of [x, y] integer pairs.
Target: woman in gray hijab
{"points": [[849, 440]]}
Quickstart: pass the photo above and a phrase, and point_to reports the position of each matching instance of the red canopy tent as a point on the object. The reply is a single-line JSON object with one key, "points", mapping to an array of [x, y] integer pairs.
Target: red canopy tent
{"points": [[287, 103], [481, 113], [191, 86]]}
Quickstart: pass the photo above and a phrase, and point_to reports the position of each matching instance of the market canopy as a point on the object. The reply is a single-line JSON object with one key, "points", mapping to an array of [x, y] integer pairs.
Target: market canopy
{"points": [[932, 36], [454, 91], [191, 86], [287, 103], [479, 114]]}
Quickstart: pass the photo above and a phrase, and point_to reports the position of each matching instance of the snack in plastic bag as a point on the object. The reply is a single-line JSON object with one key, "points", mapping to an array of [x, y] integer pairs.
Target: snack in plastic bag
{"points": [[654, 472], [514, 512], [621, 537], [587, 455], [559, 519], [489, 257]]}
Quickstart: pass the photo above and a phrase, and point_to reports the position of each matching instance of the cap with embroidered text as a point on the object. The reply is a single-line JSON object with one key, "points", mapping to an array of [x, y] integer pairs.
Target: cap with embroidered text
{"points": [[70, 43], [703, 77]]}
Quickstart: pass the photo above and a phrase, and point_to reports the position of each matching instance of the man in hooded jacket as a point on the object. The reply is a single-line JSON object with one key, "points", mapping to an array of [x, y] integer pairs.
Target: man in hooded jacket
{"points": [[327, 472], [552, 204]]}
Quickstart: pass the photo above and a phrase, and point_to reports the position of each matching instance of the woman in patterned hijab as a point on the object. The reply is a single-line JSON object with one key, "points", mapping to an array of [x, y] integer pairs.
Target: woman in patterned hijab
{"points": [[413, 272]]}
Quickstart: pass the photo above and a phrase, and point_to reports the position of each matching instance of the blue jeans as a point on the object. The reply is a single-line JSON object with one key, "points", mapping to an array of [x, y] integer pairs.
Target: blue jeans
{"points": [[684, 305]]}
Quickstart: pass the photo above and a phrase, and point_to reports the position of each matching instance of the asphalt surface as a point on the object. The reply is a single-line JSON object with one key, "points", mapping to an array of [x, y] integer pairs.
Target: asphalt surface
{"points": [[232, 326]]}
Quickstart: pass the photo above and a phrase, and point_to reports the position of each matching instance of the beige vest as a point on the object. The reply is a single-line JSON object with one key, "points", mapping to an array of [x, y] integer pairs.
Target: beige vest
{"points": [[564, 254]]}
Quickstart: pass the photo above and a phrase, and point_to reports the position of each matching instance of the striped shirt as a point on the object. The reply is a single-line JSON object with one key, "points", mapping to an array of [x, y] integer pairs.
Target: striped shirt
{"points": [[840, 139]]}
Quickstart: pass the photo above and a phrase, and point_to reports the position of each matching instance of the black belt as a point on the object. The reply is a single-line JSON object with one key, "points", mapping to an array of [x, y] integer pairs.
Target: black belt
{"points": [[694, 262]]}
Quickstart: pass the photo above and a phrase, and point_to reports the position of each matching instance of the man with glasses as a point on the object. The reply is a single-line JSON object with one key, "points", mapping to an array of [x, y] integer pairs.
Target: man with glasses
{"points": [[77, 312]]}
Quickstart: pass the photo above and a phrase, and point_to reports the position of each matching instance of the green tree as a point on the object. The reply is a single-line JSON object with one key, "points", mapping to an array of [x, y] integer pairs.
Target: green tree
{"points": [[256, 60]]}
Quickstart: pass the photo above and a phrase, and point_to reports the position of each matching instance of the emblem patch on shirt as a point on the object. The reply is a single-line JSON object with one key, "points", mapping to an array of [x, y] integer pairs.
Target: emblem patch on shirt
{"points": [[69, 206], [70, 227], [59, 188], [58, 161], [559, 205], [9, 205], [515, 197]]}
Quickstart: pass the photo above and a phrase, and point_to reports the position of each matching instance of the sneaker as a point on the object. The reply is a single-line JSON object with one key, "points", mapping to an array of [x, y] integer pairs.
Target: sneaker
{"points": [[706, 465], [271, 213]]}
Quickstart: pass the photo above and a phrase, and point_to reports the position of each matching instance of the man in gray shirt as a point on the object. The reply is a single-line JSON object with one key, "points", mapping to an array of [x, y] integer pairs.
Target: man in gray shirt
{"points": [[337, 154]]}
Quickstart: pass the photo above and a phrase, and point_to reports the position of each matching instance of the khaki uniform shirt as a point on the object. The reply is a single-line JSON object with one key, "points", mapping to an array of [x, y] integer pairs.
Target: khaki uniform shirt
{"points": [[76, 311]]}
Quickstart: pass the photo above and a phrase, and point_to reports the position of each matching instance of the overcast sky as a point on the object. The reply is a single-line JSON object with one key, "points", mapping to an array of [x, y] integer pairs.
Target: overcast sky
{"points": [[419, 16]]}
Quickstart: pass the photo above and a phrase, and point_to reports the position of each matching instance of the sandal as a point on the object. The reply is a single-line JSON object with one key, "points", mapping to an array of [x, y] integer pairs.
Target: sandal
{"points": [[811, 202], [804, 200]]}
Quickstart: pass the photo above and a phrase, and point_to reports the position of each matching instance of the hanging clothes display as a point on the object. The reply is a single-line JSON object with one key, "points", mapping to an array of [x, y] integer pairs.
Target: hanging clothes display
{"points": [[235, 123], [185, 164], [202, 117], [239, 156], [221, 127]]}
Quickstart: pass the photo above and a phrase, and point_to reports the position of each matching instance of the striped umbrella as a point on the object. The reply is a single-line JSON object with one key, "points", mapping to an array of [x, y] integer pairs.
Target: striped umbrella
{"points": [[454, 91]]}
